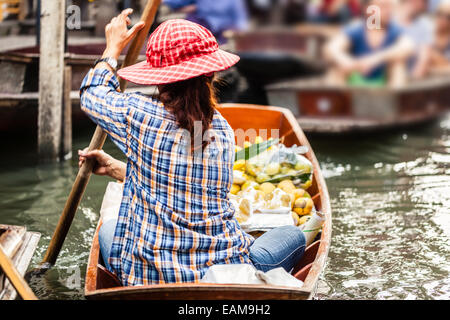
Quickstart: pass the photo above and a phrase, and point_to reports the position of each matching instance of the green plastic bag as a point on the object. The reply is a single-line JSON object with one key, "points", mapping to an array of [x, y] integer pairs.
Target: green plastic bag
{"points": [[358, 80]]}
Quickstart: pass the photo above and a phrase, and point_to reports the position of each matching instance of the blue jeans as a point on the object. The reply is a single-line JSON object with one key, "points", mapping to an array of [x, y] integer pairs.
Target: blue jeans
{"points": [[280, 247]]}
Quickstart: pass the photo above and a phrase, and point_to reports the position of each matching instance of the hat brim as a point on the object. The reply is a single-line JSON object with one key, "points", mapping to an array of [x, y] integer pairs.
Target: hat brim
{"points": [[143, 73]]}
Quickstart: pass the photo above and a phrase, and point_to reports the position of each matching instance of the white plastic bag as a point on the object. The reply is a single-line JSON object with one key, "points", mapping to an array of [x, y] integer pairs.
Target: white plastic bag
{"points": [[111, 201], [248, 274]]}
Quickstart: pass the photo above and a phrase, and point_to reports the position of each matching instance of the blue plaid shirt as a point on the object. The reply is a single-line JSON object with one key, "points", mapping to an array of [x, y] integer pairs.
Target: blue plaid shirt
{"points": [[175, 219]]}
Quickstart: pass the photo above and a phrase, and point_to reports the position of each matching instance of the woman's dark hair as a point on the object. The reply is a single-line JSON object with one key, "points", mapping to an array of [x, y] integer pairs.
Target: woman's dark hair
{"points": [[191, 100]]}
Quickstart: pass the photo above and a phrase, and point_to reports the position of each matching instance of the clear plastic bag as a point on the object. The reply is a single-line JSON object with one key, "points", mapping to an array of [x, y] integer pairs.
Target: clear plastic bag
{"points": [[280, 163]]}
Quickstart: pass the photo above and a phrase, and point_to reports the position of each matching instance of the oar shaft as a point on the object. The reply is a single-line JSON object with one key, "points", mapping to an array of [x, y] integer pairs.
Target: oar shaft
{"points": [[73, 201], [97, 141], [148, 14], [15, 278]]}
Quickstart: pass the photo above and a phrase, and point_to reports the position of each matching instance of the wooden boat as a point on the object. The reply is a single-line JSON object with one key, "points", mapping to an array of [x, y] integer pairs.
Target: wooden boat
{"points": [[101, 284], [271, 54], [19, 245], [325, 108], [24, 62]]}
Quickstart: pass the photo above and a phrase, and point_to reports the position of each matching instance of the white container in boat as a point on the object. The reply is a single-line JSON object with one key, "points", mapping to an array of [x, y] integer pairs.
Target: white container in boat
{"points": [[313, 226]]}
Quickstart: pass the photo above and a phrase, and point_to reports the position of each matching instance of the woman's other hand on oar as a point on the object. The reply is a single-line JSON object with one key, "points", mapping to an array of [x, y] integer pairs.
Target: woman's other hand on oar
{"points": [[117, 34], [105, 164]]}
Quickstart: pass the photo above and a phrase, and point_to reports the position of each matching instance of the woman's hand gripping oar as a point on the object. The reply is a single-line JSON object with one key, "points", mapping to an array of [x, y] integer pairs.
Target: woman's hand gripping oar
{"points": [[97, 141]]}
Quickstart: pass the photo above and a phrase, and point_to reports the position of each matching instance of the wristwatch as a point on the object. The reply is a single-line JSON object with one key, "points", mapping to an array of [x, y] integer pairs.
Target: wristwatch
{"points": [[111, 61]]}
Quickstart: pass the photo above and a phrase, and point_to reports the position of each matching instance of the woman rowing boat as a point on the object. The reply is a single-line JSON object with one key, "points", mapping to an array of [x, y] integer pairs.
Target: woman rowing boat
{"points": [[175, 219]]}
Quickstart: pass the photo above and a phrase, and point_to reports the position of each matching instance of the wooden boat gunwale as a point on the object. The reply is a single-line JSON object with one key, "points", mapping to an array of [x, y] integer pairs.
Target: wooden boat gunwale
{"points": [[229, 291], [330, 125], [21, 259]]}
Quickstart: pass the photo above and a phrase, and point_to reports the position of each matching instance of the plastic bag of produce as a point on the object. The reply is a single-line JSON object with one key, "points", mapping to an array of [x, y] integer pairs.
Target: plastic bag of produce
{"points": [[280, 163]]}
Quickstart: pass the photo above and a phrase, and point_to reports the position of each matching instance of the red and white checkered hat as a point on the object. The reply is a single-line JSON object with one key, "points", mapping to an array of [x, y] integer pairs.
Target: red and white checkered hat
{"points": [[179, 50]]}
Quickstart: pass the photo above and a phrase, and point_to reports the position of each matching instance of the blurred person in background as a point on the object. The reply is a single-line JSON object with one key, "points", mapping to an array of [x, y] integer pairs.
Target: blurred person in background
{"points": [[433, 5], [334, 11], [419, 27], [366, 54], [440, 53], [216, 15]]}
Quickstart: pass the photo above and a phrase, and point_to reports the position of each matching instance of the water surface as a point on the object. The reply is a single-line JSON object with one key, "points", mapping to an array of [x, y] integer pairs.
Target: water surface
{"points": [[391, 213]]}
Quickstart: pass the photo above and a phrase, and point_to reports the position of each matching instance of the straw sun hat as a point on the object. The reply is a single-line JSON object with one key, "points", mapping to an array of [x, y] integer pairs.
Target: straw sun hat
{"points": [[179, 50]]}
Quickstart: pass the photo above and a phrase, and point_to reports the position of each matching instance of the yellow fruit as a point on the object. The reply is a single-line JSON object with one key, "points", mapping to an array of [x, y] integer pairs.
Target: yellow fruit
{"points": [[249, 184], [284, 169], [268, 197], [239, 165], [303, 220], [247, 144], [292, 199], [306, 185], [259, 139], [262, 177], [296, 218], [286, 200], [273, 168], [287, 186], [305, 168], [251, 169], [260, 195], [267, 187], [303, 206], [245, 207], [239, 177], [299, 193], [235, 189]]}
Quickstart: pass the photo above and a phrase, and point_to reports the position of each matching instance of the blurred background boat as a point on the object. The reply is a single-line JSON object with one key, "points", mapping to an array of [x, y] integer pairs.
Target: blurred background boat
{"points": [[325, 108]]}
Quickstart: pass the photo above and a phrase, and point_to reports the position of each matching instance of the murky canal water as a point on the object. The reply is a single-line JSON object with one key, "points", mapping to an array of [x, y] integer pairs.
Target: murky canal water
{"points": [[391, 213]]}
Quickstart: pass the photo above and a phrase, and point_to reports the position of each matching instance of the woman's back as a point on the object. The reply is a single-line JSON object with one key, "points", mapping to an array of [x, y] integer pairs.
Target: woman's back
{"points": [[178, 197]]}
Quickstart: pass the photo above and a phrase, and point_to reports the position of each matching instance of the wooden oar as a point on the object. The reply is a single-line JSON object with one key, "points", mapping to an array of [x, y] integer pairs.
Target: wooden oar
{"points": [[15, 278], [79, 186]]}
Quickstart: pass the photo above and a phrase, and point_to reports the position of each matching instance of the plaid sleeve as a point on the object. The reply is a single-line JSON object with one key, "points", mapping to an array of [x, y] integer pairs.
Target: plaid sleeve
{"points": [[107, 107]]}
